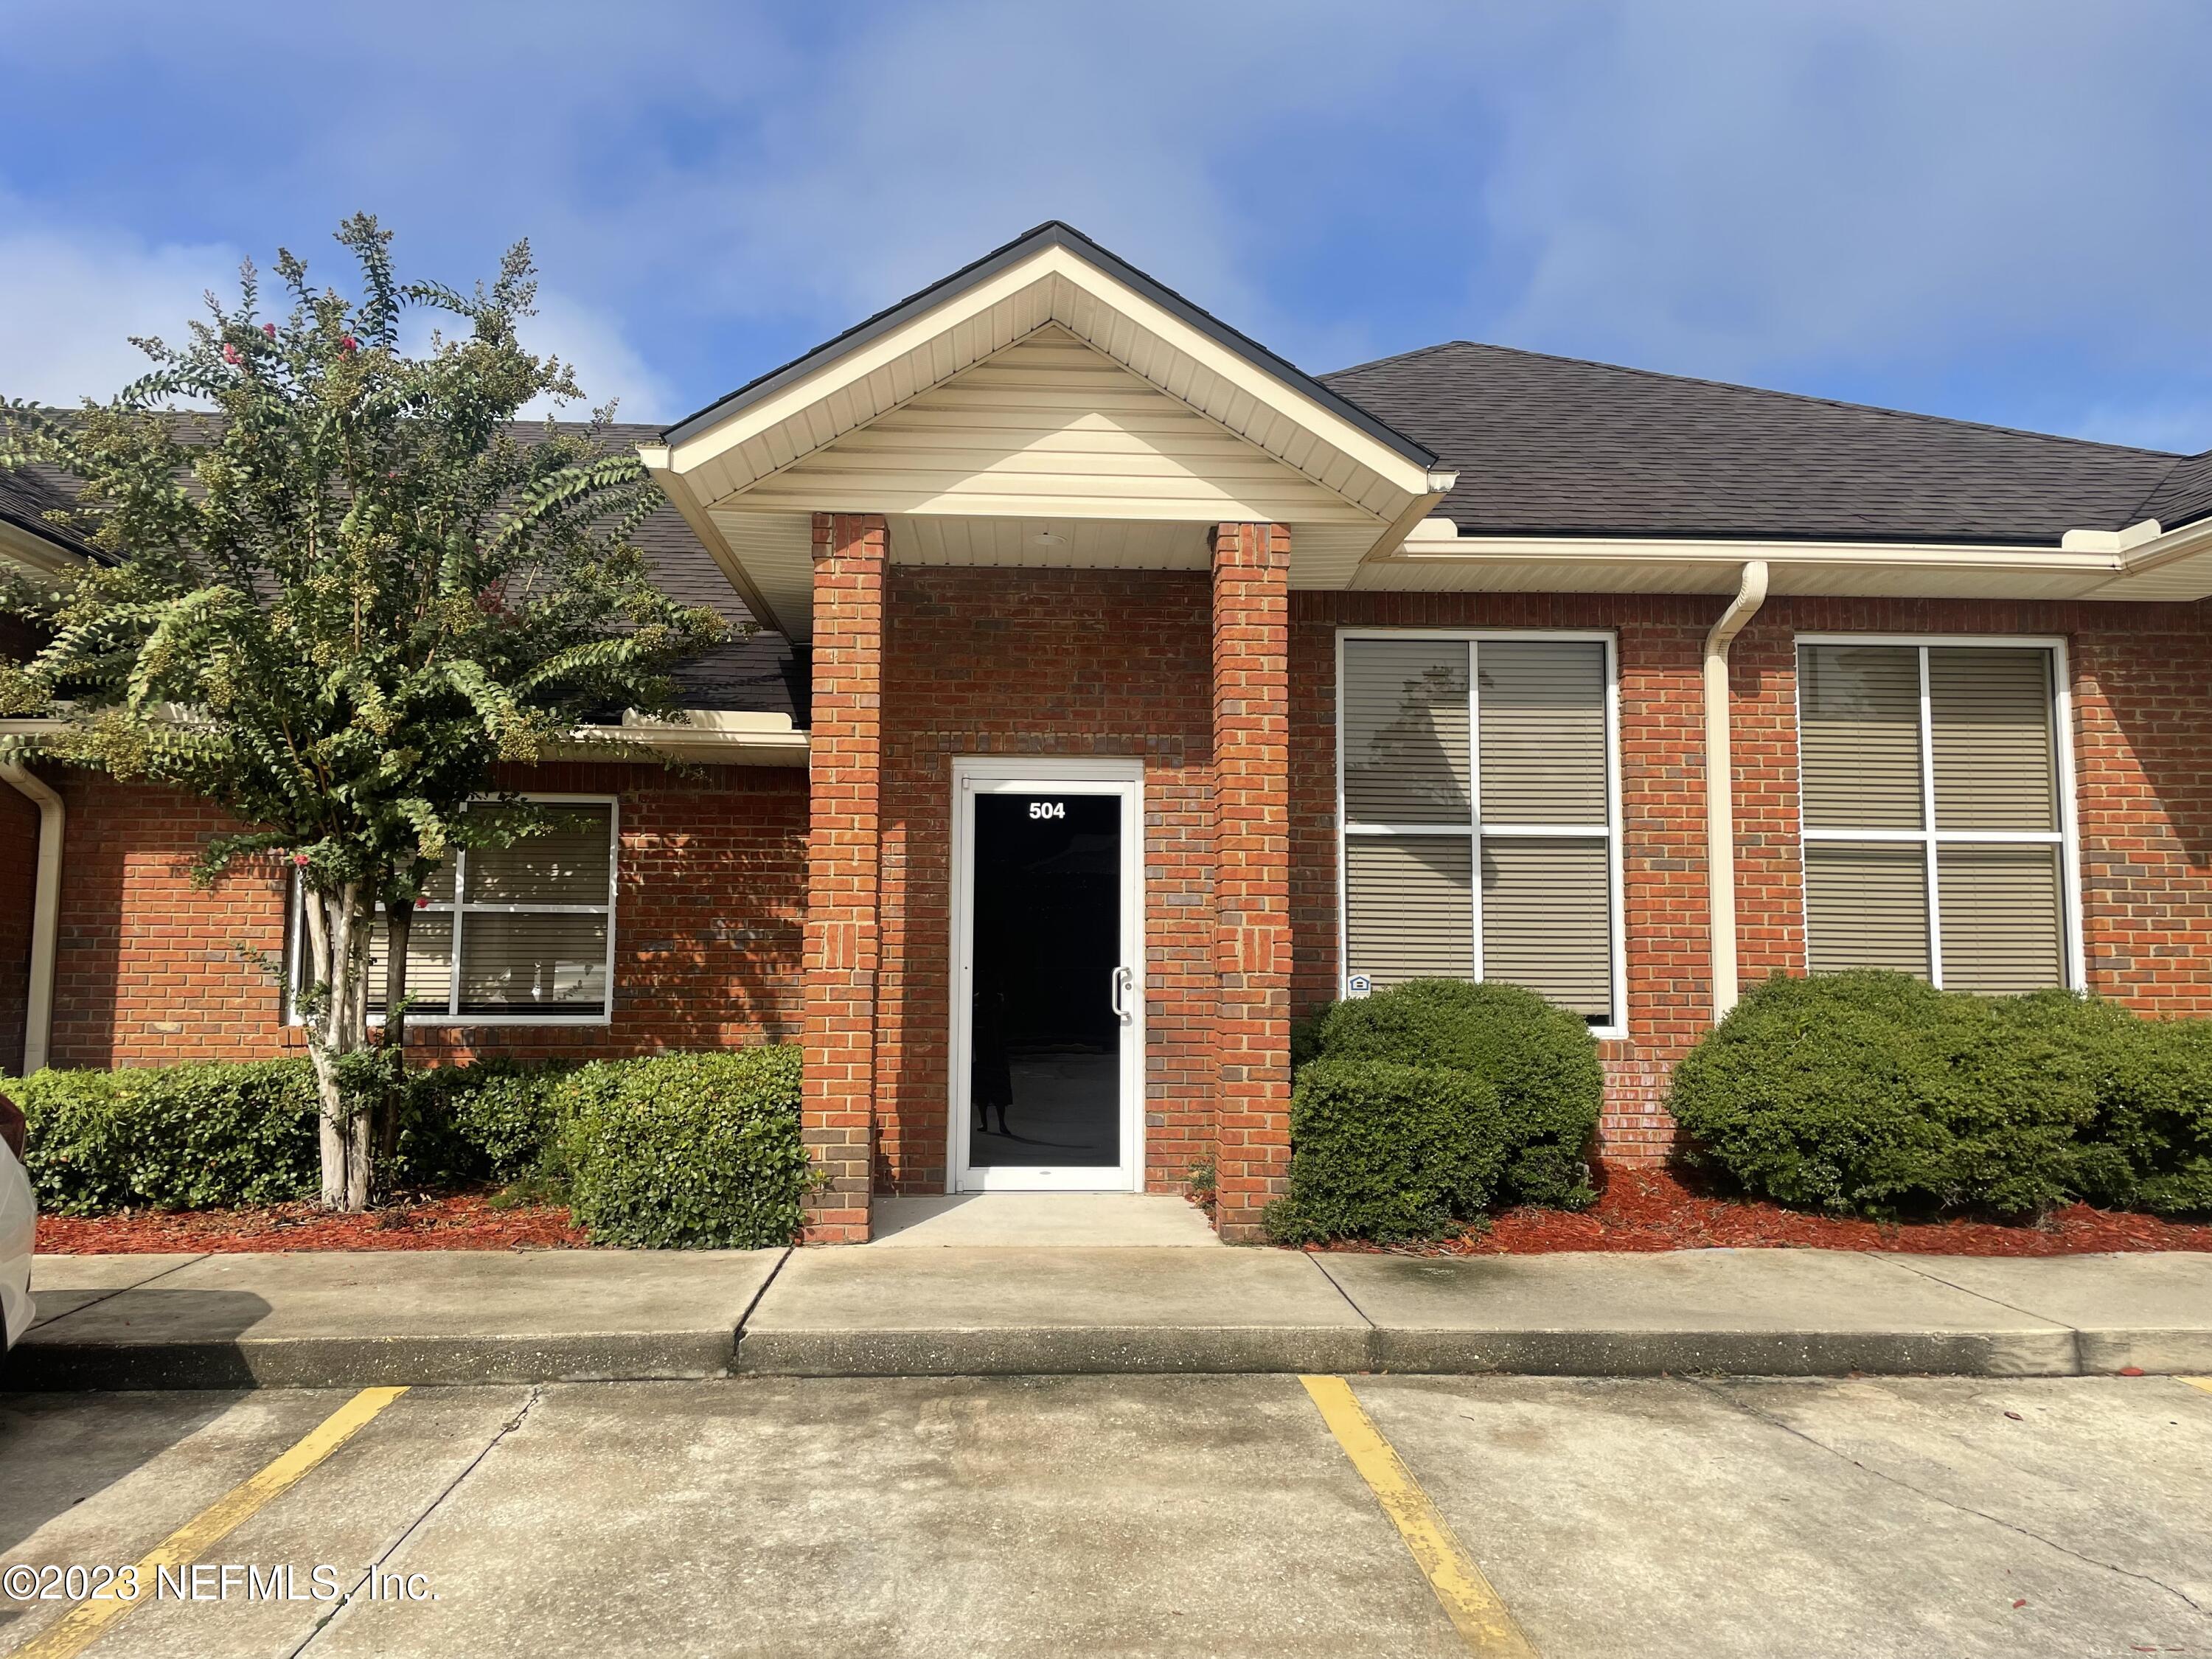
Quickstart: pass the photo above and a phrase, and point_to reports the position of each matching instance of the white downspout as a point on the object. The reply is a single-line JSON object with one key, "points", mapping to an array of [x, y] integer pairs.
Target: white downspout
{"points": [[46, 913], [1720, 784]]}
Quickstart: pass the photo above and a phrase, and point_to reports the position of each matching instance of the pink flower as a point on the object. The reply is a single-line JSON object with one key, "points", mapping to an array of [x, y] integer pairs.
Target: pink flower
{"points": [[300, 859], [348, 344], [270, 329], [230, 353], [423, 903]]}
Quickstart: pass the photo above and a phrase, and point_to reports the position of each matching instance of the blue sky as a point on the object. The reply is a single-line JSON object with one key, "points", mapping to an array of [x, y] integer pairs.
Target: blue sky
{"points": [[2000, 210]]}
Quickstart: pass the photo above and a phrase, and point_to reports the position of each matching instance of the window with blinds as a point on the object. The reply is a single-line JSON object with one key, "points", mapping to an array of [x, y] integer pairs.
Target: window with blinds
{"points": [[1935, 839], [520, 933], [1478, 826]]}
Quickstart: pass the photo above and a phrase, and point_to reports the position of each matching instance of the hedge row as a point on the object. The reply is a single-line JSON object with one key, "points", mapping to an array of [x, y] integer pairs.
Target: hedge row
{"points": [[1417, 1108], [1877, 1094], [677, 1150]]}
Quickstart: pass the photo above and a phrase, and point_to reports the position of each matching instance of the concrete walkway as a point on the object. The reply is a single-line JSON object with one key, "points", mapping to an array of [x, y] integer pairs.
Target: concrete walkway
{"points": [[499, 1316]]}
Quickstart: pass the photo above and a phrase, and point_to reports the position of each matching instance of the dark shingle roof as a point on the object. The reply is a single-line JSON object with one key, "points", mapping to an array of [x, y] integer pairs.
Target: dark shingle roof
{"points": [[28, 494], [1554, 446], [2184, 496]]}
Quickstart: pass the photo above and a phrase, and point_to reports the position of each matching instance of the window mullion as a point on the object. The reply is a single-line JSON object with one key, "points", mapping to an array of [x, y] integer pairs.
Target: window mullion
{"points": [[1474, 804], [1927, 823], [453, 951]]}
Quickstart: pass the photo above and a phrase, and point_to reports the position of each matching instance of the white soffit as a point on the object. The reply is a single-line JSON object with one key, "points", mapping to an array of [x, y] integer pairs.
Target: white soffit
{"points": [[776, 551], [1069, 544]]}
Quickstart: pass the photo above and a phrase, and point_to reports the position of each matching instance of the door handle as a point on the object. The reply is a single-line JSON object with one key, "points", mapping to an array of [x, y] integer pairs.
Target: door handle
{"points": [[1125, 980]]}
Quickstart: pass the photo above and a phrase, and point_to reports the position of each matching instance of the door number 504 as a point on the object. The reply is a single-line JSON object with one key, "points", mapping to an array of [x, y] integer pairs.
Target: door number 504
{"points": [[1047, 809]]}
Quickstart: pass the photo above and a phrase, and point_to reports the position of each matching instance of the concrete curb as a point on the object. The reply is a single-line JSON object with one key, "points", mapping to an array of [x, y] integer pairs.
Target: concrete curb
{"points": [[1056, 1349], [368, 1362], [302, 1321], [1726, 1353]]}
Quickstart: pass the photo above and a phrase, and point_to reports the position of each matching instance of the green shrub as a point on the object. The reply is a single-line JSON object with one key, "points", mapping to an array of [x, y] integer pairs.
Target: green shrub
{"points": [[1539, 1058], [239, 1134], [490, 1120], [218, 1134], [2154, 1116], [691, 1151], [1876, 1093], [1386, 1151]]}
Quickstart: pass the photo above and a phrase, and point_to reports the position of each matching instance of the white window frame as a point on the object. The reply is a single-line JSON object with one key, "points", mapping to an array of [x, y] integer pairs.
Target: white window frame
{"points": [[1616, 1025], [460, 908], [2065, 837]]}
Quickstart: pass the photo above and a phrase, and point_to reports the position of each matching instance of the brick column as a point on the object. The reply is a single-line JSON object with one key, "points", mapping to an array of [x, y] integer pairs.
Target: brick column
{"points": [[1252, 869], [842, 844]]}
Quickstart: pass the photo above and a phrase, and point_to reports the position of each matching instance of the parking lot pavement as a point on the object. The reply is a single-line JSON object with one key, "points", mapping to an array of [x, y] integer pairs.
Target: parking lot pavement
{"points": [[1145, 1514]]}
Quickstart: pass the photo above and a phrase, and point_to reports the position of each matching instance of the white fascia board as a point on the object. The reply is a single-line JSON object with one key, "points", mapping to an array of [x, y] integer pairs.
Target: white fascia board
{"points": [[655, 458], [38, 555], [1429, 546], [2183, 557], [1250, 377], [857, 364], [712, 737], [700, 747], [1044, 266]]}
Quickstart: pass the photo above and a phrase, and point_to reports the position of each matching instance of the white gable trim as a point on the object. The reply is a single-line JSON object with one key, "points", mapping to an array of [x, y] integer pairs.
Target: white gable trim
{"points": [[1053, 284]]}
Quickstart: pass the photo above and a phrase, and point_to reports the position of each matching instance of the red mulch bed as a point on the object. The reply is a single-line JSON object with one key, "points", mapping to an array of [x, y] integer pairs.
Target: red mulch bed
{"points": [[465, 1222], [1639, 1209], [1653, 1210]]}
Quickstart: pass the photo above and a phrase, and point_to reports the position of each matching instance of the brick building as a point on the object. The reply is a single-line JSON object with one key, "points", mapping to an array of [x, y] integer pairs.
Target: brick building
{"points": [[1121, 692]]}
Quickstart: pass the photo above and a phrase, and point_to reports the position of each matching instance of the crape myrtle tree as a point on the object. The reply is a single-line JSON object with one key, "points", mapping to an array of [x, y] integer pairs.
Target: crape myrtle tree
{"points": [[348, 584]]}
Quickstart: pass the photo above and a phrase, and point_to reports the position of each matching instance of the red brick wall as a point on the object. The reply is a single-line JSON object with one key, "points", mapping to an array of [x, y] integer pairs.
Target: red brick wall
{"points": [[708, 909], [1085, 662], [1251, 879], [844, 861], [713, 868], [2142, 732]]}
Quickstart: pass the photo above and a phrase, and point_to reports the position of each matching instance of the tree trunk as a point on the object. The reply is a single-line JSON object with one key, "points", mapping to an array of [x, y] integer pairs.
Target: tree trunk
{"points": [[336, 1028]]}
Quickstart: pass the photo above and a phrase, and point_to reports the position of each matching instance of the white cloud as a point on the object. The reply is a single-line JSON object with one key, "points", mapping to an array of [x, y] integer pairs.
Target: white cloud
{"points": [[2183, 425], [71, 298], [1725, 185], [2003, 200], [70, 303]]}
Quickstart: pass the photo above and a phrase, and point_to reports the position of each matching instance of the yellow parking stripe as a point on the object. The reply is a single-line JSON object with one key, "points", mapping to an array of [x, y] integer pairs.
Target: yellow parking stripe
{"points": [[1475, 1608], [85, 1623], [2203, 1382]]}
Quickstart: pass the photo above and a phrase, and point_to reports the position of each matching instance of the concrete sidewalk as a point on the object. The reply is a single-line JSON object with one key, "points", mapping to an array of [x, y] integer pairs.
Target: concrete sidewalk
{"points": [[349, 1320]]}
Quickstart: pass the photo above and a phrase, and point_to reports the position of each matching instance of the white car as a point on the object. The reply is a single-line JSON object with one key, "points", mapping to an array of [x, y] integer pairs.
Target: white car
{"points": [[19, 1225]]}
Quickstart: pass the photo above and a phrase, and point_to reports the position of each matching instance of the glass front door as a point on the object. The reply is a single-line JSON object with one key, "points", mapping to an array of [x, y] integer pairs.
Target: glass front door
{"points": [[1050, 987]]}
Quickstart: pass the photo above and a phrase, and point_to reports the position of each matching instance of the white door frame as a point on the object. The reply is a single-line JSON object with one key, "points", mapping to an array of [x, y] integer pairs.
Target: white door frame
{"points": [[1004, 775]]}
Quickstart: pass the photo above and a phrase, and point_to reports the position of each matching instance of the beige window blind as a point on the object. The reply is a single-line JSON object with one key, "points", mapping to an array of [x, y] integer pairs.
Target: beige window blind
{"points": [[1933, 826], [1405, 753], [529, 936], [1547, 919], [1543, 732], [1407, 908], [1478, 813]]}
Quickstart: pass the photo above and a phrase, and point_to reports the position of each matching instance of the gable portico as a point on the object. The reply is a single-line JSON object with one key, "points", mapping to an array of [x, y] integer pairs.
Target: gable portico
{"points": [[971, 470]]}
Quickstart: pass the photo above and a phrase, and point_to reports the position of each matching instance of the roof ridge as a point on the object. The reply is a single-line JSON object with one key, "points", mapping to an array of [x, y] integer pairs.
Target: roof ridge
{"points": [[1771, 392], [1407, 357], [2142, 507]]}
